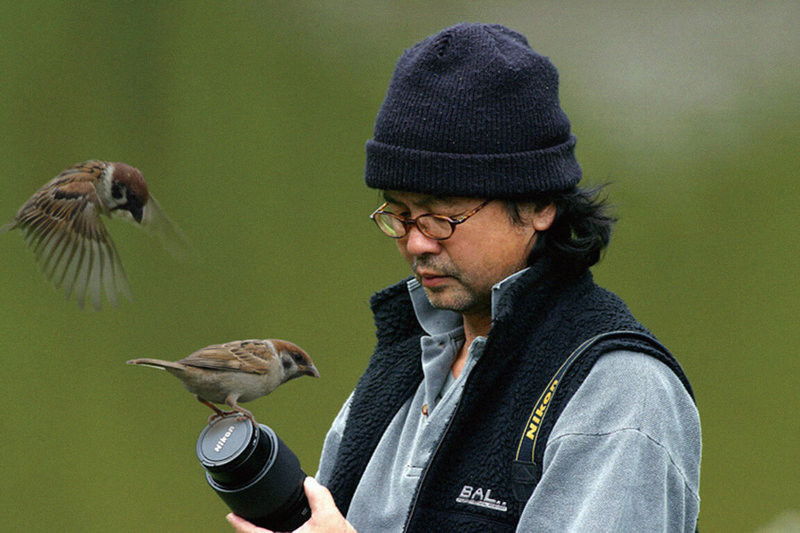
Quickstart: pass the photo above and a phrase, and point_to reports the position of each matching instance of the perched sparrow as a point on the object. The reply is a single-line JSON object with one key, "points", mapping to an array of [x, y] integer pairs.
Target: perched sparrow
{"points": [[237, 371], [62, 226]]}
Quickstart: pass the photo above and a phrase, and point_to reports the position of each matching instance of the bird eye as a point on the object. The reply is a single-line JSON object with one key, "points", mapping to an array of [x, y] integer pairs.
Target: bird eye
{"points": [[298, 357]]}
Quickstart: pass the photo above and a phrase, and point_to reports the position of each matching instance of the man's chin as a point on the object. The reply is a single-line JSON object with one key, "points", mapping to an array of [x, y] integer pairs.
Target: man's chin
{"points": [[440, 299]]}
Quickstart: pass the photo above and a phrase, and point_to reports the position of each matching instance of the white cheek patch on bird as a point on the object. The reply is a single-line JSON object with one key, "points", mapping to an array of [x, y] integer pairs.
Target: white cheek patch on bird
{"points": [[238, 371], [62, 225]]}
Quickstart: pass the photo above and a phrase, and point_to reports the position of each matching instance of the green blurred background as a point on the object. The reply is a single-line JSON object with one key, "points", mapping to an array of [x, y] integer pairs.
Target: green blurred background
{"points": [[249, 119]]}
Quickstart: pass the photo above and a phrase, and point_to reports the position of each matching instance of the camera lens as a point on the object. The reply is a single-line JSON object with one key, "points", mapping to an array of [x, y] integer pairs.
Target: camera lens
{"points": [[254, 472]]}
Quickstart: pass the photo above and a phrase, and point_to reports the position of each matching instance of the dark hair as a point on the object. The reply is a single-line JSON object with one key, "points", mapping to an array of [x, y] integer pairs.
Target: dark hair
{"points": [[580, 231]]}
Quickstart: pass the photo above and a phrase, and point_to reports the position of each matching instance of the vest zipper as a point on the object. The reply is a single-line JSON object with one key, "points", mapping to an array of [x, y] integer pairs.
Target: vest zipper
{"points": [[428, 466], [439, 443]]}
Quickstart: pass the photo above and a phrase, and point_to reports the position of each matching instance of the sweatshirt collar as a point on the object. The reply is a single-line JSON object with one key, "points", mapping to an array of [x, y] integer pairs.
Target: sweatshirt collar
{"points": [[438, 321]]}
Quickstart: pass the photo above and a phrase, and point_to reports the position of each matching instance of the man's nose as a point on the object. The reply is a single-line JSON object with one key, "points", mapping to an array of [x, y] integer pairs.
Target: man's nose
{"points": [[418, 244]]}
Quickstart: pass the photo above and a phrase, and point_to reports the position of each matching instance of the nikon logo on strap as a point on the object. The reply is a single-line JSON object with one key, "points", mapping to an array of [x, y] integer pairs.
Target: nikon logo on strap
{"points": [[525, 472], [538, 413], [527, 443]]}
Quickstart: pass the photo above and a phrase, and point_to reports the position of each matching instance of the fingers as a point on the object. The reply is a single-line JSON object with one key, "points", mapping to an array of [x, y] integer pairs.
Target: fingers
{"points": [[325, 516]]}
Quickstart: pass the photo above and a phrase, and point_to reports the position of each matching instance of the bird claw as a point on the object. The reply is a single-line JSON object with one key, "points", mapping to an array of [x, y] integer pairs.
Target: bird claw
{"points": [[218, 413], [221, 414], [246, 415], [241, 416]]}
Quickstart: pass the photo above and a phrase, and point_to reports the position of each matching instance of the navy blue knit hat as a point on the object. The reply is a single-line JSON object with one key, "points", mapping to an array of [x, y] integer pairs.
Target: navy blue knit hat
{"points": [[473, 111]]}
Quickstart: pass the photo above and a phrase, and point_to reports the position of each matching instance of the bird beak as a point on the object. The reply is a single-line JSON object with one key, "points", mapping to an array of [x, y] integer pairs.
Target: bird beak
{"points": [[310, 370], [137, 212]]}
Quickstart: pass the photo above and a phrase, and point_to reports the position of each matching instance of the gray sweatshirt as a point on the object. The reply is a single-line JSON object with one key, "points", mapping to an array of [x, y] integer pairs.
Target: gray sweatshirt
{"points": [[623, 456]]}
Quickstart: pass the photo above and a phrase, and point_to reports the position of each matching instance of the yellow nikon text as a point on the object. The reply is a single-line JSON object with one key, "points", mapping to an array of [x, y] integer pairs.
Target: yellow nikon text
{"points": [[533, 425]]}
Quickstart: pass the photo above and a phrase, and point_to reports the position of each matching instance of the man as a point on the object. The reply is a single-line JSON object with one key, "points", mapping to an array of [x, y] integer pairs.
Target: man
{"points": [[507, 390]]}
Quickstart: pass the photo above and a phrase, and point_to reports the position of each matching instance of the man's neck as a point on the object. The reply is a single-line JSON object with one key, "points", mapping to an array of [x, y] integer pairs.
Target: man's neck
{"points": [[476, 325]]}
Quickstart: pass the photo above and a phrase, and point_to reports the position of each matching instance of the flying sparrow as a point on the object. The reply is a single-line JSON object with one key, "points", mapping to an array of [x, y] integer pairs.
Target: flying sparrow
{"points": [[237, 371], [62, 226]]}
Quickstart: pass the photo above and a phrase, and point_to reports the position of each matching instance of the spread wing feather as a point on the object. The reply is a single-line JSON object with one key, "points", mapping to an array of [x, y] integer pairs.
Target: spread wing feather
{"points": [[62, 226]]}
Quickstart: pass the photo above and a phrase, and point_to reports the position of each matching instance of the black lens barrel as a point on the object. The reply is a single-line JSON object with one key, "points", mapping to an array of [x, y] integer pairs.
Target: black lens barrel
{"points": [[254, 472]]}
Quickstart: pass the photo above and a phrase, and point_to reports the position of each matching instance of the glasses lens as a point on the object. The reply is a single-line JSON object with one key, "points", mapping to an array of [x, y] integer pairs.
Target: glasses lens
{"points": [[435, 227], [390, 225]]}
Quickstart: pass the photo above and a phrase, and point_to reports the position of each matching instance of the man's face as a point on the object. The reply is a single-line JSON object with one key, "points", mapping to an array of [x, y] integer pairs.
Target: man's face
{"points": [[458, 273]]}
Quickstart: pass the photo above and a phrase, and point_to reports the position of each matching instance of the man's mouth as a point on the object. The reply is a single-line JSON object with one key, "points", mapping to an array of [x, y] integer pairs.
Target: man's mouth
{"points": [[431, 279]]}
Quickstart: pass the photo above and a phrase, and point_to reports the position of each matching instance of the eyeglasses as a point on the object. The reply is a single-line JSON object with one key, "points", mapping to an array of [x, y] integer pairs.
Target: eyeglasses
{"points": [[433, 226]]}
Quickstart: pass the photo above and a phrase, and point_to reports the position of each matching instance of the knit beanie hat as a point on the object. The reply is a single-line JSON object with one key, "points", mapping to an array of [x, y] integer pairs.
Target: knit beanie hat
{"points": [[472, 111]]}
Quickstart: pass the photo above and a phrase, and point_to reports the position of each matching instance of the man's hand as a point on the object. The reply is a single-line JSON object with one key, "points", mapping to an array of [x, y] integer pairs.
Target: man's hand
{"points": [[325, 517]]}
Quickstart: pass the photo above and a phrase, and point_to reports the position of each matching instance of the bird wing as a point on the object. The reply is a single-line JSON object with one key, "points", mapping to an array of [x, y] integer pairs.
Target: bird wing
{"points": [[62, 226], [251, 356]]}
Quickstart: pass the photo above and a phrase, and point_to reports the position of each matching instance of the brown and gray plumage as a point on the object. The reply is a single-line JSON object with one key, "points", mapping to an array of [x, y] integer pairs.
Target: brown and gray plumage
{"points": [[61, 224], [238, 371]]}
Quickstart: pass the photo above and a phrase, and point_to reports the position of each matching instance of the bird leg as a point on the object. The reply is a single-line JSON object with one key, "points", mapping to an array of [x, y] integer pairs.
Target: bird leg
{"points": [[218, 413], [243, 413]]}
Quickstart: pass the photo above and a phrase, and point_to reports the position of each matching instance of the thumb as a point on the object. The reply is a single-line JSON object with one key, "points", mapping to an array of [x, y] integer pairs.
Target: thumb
{"points": [[319, 497], [324, 514]]}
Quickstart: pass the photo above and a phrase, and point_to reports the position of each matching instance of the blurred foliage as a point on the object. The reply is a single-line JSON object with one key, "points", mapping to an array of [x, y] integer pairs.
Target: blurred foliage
{"points": [[249, 119]]}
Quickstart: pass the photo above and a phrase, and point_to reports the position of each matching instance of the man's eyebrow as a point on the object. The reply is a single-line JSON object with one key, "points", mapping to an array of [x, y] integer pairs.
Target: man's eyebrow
{"points": [[428, 201]]}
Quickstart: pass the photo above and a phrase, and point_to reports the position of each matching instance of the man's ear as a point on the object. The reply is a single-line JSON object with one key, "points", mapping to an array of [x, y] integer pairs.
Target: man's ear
{"points": [[543, 218]]}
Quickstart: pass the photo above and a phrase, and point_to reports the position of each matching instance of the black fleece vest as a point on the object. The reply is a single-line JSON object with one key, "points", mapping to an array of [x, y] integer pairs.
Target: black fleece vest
{"points": [[472, 477]]}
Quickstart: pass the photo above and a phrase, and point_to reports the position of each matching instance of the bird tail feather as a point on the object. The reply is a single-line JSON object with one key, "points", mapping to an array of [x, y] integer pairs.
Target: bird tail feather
{"points": [[156, 363]]}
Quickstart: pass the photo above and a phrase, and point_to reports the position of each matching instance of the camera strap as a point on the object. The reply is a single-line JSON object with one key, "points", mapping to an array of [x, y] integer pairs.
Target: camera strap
{"points": [[526, 469]]}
